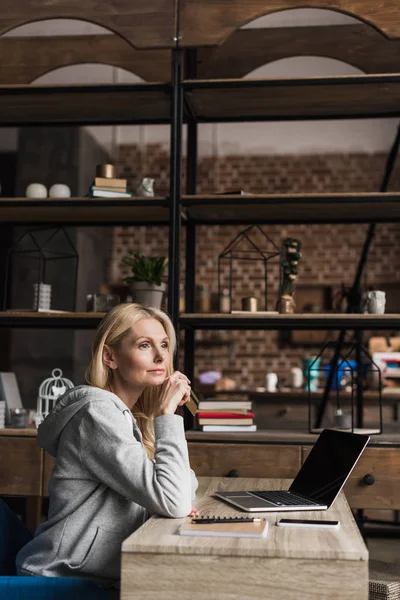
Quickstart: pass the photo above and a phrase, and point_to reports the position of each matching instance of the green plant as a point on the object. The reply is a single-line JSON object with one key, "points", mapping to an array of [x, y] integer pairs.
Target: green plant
{"points": [[145, 268]]}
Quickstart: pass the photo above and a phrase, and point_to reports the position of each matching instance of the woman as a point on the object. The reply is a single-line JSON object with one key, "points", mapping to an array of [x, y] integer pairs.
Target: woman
{"points": [[120, 450]]}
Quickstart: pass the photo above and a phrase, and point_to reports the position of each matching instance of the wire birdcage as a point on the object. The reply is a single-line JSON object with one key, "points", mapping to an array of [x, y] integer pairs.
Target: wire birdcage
{"points": [[49, 391]]}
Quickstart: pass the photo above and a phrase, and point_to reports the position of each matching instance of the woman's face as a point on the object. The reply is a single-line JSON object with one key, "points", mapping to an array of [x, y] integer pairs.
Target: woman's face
{"points": [[143, 357]]}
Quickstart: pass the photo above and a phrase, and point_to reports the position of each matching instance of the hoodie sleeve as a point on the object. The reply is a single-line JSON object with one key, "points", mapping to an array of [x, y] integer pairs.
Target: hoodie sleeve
{"points": [[110, 453]]}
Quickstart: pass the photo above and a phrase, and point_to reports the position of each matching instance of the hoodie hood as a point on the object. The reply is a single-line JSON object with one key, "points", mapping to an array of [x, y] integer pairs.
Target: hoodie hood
{"points": [[66, 408]]}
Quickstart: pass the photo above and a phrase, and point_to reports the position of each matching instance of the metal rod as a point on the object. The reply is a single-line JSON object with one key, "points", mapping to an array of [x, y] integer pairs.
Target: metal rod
{"points": [[354, 294], [359, 383], [175, 186]]}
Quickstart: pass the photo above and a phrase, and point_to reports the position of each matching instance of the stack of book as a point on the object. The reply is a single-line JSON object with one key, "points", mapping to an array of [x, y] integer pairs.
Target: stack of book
{"points": [[2, 414], [109, 187], [225, 414]]}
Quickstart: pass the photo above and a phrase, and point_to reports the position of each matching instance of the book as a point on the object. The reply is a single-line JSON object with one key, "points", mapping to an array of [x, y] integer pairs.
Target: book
{"points": [[235, 422], [110, 182], [224, 415], [224, 404], [109, 188], [234, 193], [107, 194], [215, 428], [257, 529]]}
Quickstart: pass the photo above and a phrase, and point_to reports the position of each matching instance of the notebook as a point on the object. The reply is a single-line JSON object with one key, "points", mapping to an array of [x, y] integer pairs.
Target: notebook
{"points": [[257, 529], [318, 482]]}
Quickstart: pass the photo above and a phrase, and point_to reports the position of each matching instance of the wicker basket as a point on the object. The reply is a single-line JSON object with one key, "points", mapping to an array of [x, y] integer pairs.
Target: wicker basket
{"points": [[384, 580]]}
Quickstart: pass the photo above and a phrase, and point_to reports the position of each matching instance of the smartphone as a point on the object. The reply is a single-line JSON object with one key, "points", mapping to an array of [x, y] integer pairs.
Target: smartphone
{"points": [[307, 523]]}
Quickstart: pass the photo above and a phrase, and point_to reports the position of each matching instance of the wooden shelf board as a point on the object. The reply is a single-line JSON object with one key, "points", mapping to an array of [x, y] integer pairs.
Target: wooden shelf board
{"points": [[357, 44], [350, 96], [277, 436], [294, 208], [53, 319], [206, 23], [85, 104], [84, 210], [296, 321], [31, 57]]}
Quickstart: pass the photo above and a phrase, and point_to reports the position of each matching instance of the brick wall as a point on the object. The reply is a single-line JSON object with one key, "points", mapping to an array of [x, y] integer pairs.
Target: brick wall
{"points": [[330, 252]]}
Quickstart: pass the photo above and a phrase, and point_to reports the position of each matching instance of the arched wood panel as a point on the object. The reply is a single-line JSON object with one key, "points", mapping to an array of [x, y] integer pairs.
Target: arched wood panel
{"points": [[209, 22], [247, 49], [143, 23], [25, 59]]}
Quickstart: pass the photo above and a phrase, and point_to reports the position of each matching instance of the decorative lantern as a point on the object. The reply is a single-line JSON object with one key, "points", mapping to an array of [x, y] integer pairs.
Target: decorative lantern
{"points": [[245, 248], [49, 392], [35, 257], [352, 370]]}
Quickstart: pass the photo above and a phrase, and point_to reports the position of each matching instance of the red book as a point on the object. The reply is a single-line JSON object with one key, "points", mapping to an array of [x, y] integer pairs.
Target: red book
{"points": [[224, 415]]}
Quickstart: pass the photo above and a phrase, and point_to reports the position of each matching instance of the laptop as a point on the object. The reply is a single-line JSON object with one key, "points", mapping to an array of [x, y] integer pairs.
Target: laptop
{"points": [[318, 482]]}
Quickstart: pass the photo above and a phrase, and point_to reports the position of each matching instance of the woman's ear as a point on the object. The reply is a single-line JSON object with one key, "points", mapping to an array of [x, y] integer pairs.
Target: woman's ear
{"points": [[109, 358]]}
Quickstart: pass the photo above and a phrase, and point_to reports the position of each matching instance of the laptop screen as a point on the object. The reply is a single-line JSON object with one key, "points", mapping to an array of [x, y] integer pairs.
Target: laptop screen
{"points": [[328, 465]]}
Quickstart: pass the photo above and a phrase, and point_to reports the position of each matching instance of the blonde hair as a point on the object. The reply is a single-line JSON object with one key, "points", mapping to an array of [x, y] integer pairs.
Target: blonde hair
{"points": [[113, 328]]}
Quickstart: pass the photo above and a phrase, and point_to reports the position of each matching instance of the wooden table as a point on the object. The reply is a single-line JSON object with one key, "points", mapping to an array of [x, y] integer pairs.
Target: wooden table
{"points": [[291, 563]]}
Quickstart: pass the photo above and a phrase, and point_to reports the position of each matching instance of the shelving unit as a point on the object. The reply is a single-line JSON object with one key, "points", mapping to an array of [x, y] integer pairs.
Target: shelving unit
{"points": [[202, 90], [244, 100], [189, 36]]}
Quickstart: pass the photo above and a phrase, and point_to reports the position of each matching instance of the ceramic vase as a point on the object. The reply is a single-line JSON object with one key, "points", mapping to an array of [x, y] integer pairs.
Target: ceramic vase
{"points": [[59, 190], [147, 293], [287, 304], [36, 190]]}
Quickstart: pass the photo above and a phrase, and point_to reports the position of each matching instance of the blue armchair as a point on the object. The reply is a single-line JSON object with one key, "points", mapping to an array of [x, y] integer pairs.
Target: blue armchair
{"points": [[14, 535]]}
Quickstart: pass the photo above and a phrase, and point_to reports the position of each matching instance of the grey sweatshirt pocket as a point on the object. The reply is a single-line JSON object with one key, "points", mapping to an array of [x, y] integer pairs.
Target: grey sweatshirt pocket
{"points": [[102, 557]]}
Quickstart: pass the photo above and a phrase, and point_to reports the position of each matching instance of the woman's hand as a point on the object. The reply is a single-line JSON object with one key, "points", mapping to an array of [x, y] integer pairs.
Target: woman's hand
{"points": [[175, 391], [194, 512]]}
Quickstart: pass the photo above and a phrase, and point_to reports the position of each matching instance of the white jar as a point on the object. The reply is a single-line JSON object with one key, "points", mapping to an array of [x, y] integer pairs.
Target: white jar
{"points": [[59, 190], [376, 302], [36, 190], [271, 382]]}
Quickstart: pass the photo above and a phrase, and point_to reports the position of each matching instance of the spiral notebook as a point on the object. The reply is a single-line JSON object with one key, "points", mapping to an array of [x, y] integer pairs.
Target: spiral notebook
{"points": [[257, 529]]}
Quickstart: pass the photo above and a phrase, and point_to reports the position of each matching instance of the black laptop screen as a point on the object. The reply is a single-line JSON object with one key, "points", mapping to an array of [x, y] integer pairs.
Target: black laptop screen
{"points": [[328, 465]]}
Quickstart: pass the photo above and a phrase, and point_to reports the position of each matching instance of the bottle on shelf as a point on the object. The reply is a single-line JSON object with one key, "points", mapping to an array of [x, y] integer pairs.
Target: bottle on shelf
{"points": [[225, 301]]}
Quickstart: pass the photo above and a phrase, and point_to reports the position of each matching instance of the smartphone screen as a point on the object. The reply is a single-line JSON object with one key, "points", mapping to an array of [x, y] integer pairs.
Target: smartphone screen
{"points": [[308, 523]]}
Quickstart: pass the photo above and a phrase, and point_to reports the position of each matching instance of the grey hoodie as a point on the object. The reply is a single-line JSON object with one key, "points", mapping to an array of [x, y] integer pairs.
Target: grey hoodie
{"points": [[103, 485]]}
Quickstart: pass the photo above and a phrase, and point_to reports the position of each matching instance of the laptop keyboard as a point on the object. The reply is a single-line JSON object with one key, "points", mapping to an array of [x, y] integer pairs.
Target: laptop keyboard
{"points": [[283, 498]]}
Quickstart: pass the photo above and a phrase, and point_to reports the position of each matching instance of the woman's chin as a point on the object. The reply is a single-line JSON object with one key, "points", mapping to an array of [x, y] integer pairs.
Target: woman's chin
{"points": [[157, 378]]}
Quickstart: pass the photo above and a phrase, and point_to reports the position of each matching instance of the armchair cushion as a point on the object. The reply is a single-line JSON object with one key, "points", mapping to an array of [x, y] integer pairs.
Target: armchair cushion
{"points": [[13, 535], [50, 588]]}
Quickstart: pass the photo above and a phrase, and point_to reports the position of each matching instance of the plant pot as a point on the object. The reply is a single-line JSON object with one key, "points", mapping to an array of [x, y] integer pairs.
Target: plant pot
{"points": [[147, 293]]}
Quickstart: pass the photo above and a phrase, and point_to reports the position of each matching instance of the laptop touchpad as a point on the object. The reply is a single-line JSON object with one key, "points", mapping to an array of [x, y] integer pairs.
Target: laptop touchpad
{"points": [[251, 502]]}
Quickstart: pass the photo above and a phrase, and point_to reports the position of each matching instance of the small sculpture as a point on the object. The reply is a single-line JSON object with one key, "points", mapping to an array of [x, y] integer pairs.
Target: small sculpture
{"points": [[36, 190], [145, 187], [290, 259], [59, 190]]}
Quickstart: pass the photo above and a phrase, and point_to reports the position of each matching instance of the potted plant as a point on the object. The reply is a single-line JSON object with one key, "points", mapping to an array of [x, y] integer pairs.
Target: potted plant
{"points": [[146, 282]]}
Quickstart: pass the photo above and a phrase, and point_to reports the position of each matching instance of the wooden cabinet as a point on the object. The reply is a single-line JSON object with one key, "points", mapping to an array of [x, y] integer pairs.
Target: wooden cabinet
{"points": [[247, 460], [21, 466], [375, 480], [373, 484]]}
